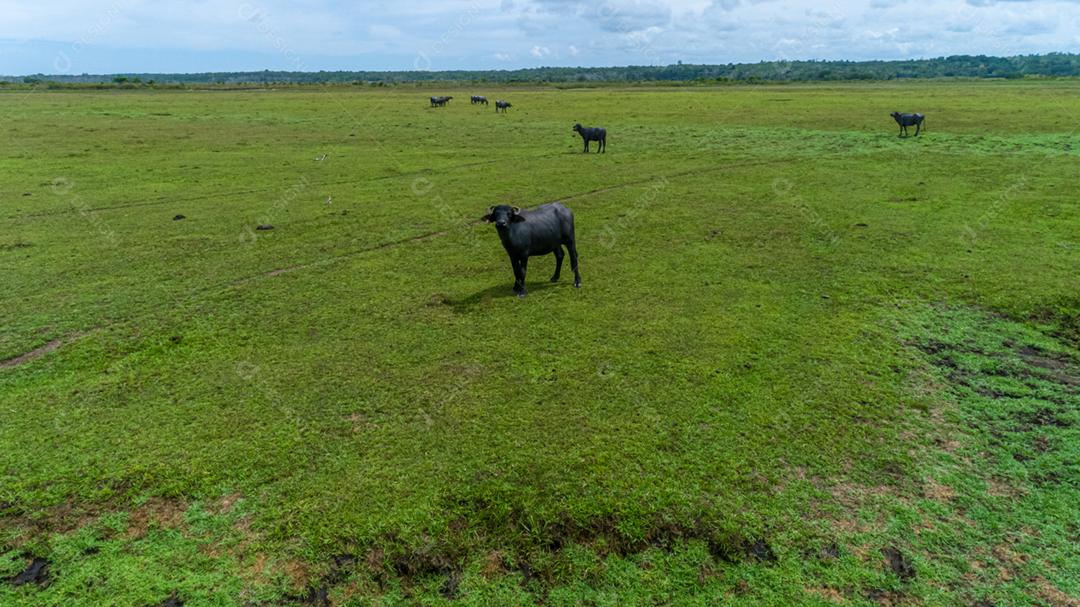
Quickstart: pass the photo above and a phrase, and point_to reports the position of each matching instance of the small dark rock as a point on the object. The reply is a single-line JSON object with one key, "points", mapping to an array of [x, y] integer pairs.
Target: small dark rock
{"points": [[449, 588], [862, 225], [172, 601], [831, 551], [899, 563], [317, 597], [342, 561], [27, 194], [264, 227], [761, 551], [37, 572], [527, 573], [178, 217], [876, 595]]}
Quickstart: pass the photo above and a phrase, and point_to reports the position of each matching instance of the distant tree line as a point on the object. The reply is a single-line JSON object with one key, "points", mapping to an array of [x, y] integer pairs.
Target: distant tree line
{"points": [[958, 66]]}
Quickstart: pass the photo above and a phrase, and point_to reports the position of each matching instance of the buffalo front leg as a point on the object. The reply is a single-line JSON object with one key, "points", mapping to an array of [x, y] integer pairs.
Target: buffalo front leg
{"points": [[558, 264], [523, 265], [519, 276], [918, 128]]}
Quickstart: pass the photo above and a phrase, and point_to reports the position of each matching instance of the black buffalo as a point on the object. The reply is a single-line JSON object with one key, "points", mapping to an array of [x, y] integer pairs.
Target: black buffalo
{"points": [[440, 101], [524, 234], [906, 120], [502, 105], [479, 99], [597, 134]]}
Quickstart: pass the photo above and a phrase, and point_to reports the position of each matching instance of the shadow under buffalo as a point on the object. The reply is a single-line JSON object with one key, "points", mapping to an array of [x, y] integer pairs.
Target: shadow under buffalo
{"points": [[501, 291]]}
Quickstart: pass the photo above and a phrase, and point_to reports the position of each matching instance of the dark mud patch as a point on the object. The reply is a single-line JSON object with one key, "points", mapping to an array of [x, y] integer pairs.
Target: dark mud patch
{"points": [[760, 551], [898, 563], [35, 573], [828, 552], [438, 559], [32, 354], [172, 601], [1063, 318], [883, 597], [1058, 367], [318, 597], [1043, 416], [449, 588], [315, 596]]}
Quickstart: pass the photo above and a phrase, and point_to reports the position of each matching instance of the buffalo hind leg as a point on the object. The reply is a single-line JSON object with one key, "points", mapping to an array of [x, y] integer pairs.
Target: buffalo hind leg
{"points": [[558, 264], [572, 247]]}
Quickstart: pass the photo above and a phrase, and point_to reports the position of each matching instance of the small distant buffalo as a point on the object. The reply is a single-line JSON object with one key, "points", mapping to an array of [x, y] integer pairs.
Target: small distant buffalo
{"points": [[906, 120], [440, 101], [597, 134], [525, 234], [479, 99], [502, 105]]}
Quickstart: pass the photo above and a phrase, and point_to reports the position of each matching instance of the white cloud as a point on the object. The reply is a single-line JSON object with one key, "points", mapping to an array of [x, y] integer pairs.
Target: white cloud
{"points": [[449, 34]]}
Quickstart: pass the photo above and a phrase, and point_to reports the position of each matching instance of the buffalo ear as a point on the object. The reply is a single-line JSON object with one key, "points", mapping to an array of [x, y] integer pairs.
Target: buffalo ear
{"points": [[490, 217], [517, 216]]}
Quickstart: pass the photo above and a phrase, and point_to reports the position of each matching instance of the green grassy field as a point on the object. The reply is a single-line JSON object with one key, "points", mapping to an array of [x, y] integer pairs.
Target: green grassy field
{"points": [[811, 363]]}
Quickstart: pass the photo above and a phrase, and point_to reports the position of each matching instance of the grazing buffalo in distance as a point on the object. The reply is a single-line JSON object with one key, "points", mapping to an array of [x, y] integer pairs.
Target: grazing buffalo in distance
{"points": [[440, 101], [597, 134], [906, 120], [479, 99], [502, 105], [525, 234]]}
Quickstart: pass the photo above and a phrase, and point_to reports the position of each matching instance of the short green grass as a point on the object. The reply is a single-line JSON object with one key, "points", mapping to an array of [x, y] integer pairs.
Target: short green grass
{"points": [[800, 342]]}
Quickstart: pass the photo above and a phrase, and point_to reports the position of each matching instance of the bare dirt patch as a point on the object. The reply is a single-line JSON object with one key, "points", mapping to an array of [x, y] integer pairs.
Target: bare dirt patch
{"points": [[1050, 593], [938, 492], [32, 354], [829, 594], [225, 503], [157, 513]]}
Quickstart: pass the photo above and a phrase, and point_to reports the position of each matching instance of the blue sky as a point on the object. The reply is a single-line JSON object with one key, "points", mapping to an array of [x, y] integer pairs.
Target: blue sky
{"points": [[72, 37]]}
